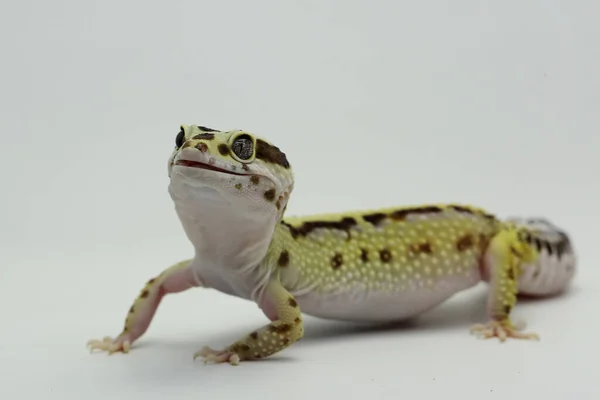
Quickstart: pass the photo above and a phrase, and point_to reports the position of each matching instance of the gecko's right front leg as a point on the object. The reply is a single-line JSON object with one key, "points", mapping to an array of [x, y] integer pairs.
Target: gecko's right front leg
{"points": [[174, 279]]}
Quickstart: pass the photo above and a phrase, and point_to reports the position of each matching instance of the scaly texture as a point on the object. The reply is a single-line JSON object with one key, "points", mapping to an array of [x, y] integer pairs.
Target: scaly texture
{"points": [[231, 190]]}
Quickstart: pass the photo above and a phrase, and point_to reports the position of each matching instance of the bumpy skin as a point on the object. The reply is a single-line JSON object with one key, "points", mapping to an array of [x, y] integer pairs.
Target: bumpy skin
{"points": [[230, 191]]}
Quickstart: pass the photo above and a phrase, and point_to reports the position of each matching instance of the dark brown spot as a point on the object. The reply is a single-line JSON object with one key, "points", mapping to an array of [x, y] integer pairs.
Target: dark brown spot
{"points": [[462, 209], [244, 347], [254, 179], [563, 246], [336, 261], [297, 320], [151, 281], [307, 227], [278, 203], [424, 247], [270, 195], [282, 328], [515, 252], [507, 309], [548, 247], [202, 147], [467, 210], [364, 255], [464, 243], [525, 236], [286, 341], [385, 255], [284, 259], [401, 214], [293, 231], [223, 149], [510, 274], [489, 216], [245, 167], [292, 302], [375, 218], [254, 335], [145, 293], [205, 129], [271, 154], [131, 309], [204, 136], [483, 242]]}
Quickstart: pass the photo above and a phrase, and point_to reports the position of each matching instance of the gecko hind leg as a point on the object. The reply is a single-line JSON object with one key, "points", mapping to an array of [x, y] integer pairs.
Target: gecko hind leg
{"points": [[174, 279], [506, 253], [285, 329]]}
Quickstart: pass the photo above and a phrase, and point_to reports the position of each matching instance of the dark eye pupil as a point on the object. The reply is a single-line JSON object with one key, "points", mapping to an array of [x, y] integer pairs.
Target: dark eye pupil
{"points": [[242, 147], [179, 138]]}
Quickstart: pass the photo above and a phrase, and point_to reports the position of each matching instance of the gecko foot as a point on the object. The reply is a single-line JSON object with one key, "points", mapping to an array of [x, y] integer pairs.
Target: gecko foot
{"points": [[217, 356], [502, 330], [110, 345]]}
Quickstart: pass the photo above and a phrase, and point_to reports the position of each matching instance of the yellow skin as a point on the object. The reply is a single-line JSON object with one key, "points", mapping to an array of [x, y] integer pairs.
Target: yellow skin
{"points": [[231, 190]]}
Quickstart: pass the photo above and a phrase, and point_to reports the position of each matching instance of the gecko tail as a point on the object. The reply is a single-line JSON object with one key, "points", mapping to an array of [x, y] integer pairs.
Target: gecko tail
{"points": [[556, 266]]}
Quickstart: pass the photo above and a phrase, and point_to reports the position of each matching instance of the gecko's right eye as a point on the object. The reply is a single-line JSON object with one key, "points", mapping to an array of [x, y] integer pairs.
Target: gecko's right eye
{"points": [[179, 139]]}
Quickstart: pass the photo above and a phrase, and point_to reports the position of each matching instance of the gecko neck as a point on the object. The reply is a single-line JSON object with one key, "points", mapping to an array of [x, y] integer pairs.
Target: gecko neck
{"points": [[227, 232]]}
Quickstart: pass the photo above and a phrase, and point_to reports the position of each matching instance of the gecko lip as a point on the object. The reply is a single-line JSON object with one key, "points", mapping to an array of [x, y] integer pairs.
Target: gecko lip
{"points": [[200, 165]]}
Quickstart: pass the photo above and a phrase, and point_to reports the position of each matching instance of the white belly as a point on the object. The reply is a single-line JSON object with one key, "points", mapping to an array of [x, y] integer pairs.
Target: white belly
{"points": [[357, 304]]}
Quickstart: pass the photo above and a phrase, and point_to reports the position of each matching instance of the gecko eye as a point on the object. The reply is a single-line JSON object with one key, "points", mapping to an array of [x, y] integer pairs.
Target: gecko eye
{"points": [[180, 138], [243, 147]]}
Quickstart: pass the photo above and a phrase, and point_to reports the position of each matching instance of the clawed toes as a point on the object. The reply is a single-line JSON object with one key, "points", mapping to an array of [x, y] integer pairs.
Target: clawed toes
{"points": [[502, 331], [109, 345], [217, 356]]}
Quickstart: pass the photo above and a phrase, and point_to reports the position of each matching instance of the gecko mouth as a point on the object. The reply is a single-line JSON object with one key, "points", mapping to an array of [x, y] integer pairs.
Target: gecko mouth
{"points": [[197, 164]]}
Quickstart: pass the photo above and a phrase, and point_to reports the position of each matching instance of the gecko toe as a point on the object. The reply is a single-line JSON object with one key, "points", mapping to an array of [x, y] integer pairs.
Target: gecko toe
{"points": [[217, 356], [107, 344], [502, 330]]}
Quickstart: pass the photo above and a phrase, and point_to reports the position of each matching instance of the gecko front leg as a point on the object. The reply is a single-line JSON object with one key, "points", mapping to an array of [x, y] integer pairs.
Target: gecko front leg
{"points": [[285, 329], [174, 279], [504, 257]]}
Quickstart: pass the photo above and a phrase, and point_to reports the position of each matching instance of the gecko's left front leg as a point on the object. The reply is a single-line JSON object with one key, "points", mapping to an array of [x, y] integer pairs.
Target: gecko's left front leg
{"points": [[285, 329], [175, 279]]}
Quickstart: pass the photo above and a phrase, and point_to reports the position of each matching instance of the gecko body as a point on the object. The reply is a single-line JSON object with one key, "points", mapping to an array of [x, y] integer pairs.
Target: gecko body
{"points": [[230, 190]]}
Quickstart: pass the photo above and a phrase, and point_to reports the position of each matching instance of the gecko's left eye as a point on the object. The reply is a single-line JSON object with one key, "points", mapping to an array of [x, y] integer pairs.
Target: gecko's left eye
{"points": [[243, 147], [179, 139]]}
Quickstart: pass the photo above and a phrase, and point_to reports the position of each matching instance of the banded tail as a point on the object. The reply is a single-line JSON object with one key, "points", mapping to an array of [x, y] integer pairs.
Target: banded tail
{"points": [[556, 266]]}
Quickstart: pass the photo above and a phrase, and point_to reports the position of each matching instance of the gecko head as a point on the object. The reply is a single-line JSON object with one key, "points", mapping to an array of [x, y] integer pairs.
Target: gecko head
{"points": [[231, 172]]}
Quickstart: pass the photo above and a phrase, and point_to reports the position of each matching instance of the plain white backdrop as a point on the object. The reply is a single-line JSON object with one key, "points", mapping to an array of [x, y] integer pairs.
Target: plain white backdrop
{"points": [[375, 103]]}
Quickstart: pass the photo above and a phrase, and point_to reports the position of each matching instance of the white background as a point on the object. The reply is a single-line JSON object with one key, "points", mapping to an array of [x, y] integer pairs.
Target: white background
{"points": [[376, 104]]}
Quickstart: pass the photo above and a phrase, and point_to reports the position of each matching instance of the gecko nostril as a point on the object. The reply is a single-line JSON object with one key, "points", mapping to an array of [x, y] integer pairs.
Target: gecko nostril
{"points": [[202, 147]]}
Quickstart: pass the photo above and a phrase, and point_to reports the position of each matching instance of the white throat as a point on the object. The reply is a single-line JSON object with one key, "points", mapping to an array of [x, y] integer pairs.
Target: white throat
{"points": [[230, 233]]}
